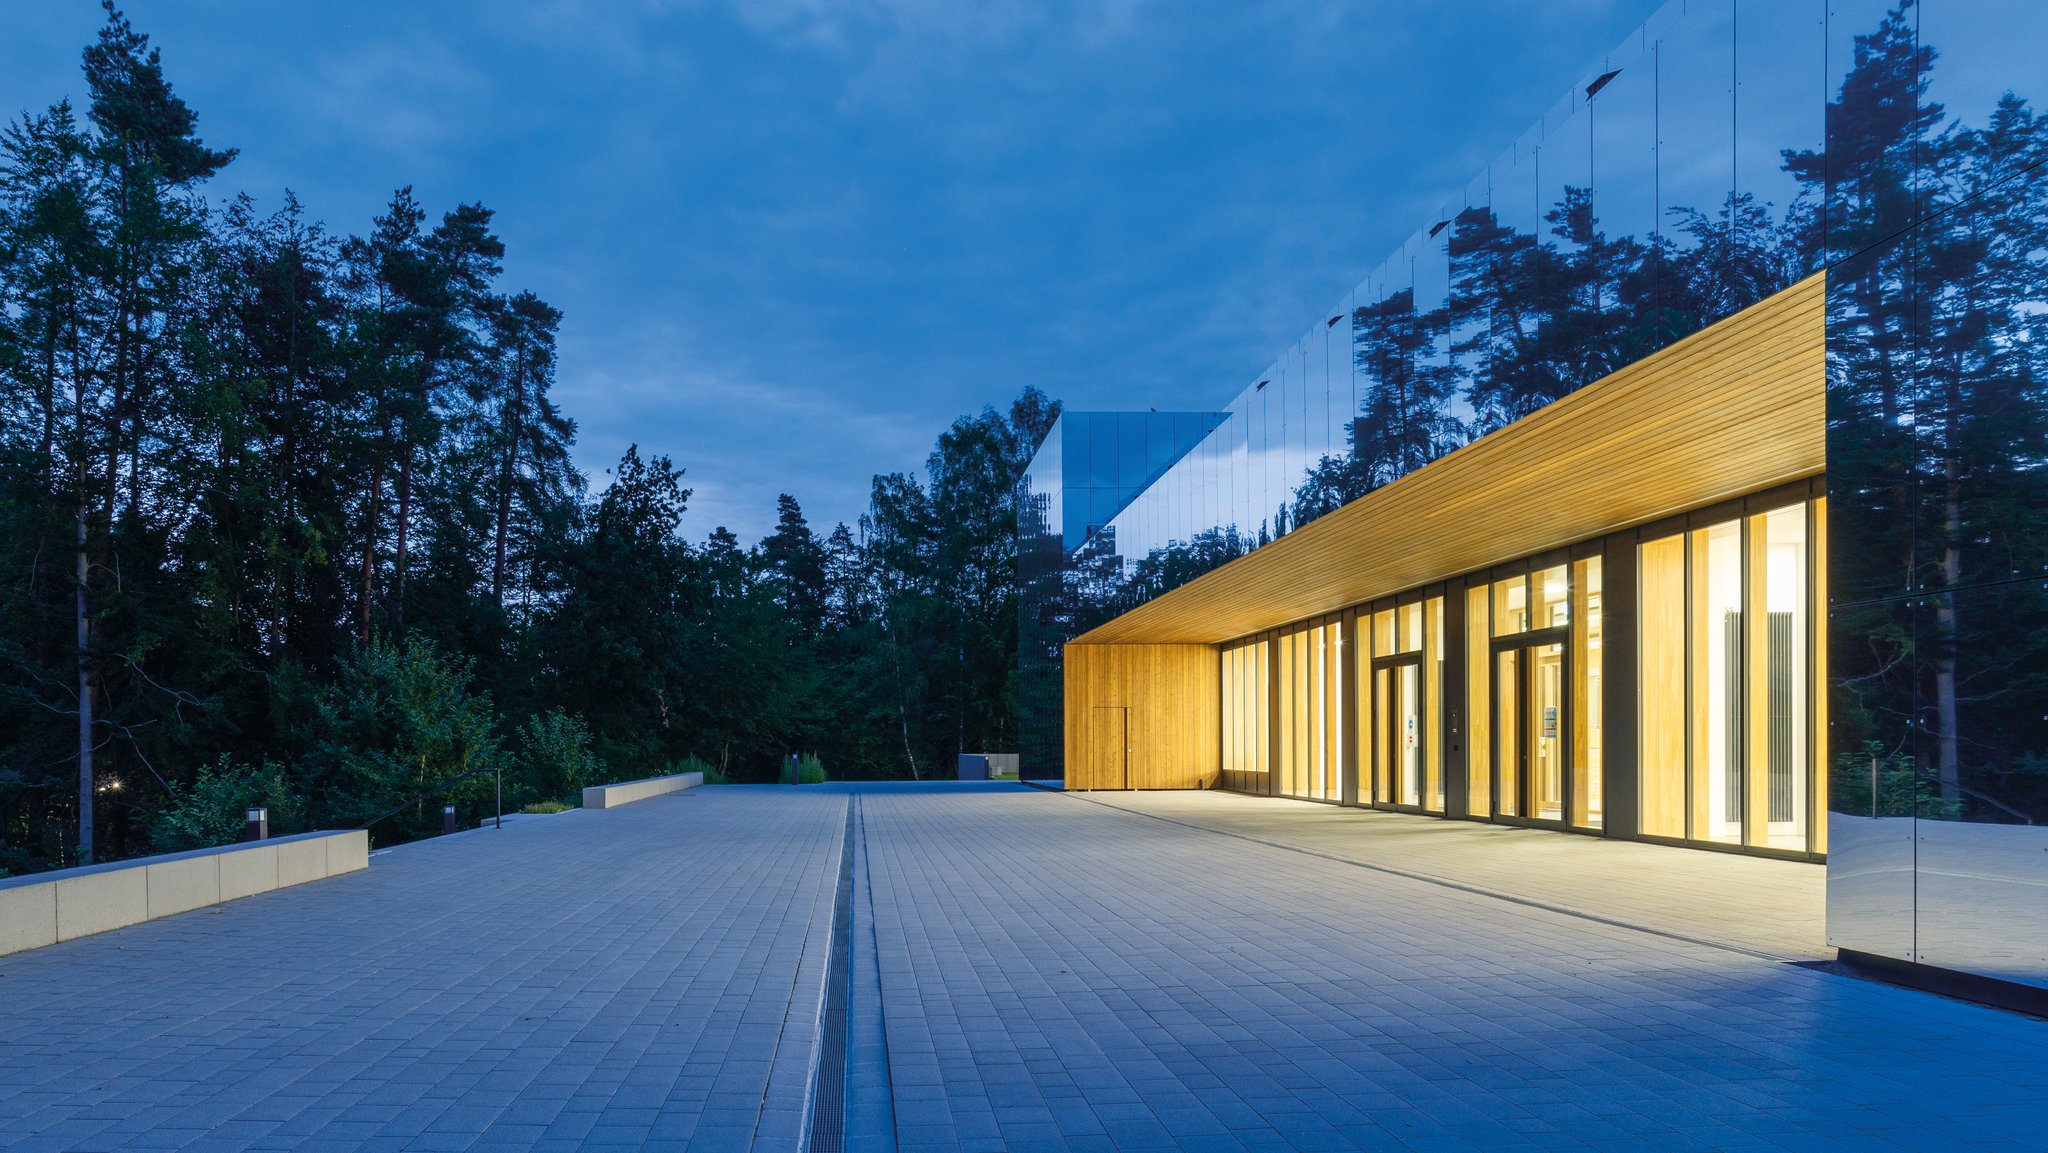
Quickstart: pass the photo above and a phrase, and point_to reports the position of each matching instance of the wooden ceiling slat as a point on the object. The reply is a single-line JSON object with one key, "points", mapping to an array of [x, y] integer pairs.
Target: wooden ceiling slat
{"points": [[1732, 409]]}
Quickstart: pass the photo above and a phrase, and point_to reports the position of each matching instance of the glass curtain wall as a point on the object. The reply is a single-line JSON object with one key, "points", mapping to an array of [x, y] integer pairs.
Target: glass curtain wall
{"points": [[1935, 189], [1676, 183], [1726, 647], [1308, 712], [1724, 687], [1283, 723]]}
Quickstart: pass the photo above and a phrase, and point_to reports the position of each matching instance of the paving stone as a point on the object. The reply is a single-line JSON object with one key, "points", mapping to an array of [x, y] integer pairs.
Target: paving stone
{"points": [[1239, 976], [474, 986], [1032, 971]]}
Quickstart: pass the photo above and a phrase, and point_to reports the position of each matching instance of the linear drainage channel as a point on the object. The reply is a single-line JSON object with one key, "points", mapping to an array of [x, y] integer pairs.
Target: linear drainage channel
{"points": [[833, 1078]]}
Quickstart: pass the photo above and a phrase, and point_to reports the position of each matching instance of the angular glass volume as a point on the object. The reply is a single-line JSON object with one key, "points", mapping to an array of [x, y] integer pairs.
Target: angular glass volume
{"points": [[1937, 220]]}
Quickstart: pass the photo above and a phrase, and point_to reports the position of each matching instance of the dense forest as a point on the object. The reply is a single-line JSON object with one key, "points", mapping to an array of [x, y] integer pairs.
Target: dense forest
{"points": [[289, 517]]}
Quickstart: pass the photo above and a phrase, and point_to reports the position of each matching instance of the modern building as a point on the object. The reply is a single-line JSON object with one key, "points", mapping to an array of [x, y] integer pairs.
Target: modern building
{"points": [[1684, 480]]}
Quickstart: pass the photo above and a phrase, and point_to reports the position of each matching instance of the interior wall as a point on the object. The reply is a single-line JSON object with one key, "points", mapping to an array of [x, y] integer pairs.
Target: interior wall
{"points": [[1166, 698]]}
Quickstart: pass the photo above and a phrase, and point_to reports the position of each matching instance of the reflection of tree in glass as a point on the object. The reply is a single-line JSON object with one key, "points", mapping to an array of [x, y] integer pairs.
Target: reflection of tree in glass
{"points": [[1938, 428], [1938, 422]]}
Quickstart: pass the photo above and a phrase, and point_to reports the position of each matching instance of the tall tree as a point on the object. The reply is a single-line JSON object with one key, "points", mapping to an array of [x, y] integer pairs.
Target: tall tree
{"points": [[138, 234], [529, 438], [796, 563]]}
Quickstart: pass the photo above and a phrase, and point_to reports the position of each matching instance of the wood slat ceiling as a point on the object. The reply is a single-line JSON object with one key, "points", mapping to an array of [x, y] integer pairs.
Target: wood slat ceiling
{"points": [[1735, 408]]}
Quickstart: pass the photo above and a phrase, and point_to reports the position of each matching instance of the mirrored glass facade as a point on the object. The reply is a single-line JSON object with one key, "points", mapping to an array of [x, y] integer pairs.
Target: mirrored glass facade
{"points": [[1935, 223], [1860, 676], [1652, 200], [1089, 468]]}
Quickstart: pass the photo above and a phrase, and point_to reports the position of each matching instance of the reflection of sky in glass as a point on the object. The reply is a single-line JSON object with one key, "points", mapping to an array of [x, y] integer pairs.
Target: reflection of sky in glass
{"points": [[1703, 101], [1092, 463]]}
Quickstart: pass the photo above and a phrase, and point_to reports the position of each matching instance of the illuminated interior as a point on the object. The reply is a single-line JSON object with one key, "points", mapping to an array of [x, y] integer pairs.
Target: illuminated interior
{"points": [[1727, 643], [1487, 696]]}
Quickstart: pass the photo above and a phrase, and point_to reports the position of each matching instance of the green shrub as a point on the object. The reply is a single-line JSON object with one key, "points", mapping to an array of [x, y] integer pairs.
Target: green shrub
{"points": [[551, 760], [809, 770], [401, 725], [214, 809], [547, 807]]}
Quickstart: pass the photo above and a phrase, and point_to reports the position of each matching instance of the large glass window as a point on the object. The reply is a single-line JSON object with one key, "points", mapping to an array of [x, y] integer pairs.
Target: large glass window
{"points": [[1511, 606], [1307, 704], [1716, 600], [1725, 670], [1660, 685], [1507, 731], [1779, 678], [1478, 716], [1587, 666], [1433, 692], [1550, 587], [1244, 717]]}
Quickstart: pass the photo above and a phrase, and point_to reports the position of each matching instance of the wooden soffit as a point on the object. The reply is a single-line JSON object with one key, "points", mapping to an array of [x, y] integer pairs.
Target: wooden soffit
{"points": [[1729, 410]]}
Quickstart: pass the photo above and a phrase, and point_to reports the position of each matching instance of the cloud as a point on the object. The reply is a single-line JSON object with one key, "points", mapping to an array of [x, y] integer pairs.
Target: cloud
{"points": [[742, 438]]}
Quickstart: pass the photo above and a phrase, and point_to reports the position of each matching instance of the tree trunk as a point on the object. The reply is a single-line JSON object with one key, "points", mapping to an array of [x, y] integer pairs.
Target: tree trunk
{"points": [[369, 554], [82, 624], [508, 467], [903, 712], [404, 523], [1947, 745]]}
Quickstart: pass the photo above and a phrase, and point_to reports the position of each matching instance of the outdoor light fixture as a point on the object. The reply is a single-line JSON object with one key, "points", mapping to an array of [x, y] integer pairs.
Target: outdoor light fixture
{"points": [[1262, 386], [258, 827], [1332, 322], [1601, 81], [1439, 226]]}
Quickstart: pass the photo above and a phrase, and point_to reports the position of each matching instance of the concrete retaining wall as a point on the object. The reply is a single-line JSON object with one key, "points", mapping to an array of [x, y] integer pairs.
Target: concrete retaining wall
{"points": [[626, 792], [45, 908]]}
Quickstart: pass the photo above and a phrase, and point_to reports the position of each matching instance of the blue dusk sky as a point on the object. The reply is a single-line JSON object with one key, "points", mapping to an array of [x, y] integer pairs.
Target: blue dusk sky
{"points": [[793, 239]]}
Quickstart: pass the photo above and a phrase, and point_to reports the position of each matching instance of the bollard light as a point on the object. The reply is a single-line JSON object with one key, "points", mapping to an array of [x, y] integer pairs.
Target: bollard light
{"points": [[258, 828], [447, 818]]}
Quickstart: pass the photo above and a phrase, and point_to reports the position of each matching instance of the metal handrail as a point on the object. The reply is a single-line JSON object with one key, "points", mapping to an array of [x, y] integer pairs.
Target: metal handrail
{"points": [[443, 787], [1923, 776]]}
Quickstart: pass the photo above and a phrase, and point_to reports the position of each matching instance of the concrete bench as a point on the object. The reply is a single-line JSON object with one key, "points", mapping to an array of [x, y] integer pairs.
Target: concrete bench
{"points": [[45, 908], [626, 792]]}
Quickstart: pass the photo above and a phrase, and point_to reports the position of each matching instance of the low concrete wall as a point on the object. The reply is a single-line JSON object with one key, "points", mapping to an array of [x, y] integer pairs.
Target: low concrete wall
{"points": [[988, 766], [626, 792], [45, 908]]}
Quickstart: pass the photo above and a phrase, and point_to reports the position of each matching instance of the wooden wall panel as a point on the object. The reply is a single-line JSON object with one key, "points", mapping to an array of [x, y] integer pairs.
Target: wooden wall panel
{"points": [[1172, 694], [1734, 409]]}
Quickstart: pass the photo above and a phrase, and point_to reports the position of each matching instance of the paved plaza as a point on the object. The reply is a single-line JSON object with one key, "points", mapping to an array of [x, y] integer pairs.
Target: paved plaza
{"points": [[1028, 970]]}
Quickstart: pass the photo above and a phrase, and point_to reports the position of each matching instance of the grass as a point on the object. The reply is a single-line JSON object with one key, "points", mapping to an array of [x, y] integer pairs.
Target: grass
{"points": [[547, 807], [696, 764], [809, 770]]}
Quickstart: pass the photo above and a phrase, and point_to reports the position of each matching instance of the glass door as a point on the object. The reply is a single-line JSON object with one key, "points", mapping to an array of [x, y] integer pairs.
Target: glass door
{"points": [[1508, 748], [1397, 715], [1531, 719], [1546, 714]]}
